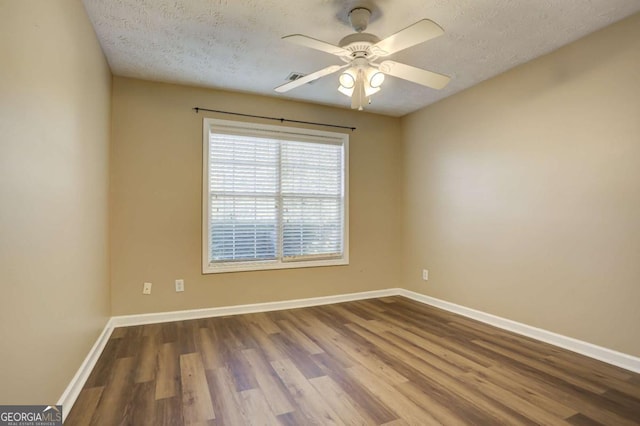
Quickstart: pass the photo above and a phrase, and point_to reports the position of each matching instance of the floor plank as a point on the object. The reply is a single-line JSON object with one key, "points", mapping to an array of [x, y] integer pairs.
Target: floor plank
{"points": [[346, 409], [268, 382], [196, 400], [226, 399], [257, 409], [168, 374], [402, 406], [309, 401]]}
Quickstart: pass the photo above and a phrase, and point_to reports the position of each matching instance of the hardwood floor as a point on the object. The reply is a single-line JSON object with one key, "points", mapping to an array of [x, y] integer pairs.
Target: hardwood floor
{"points": [[386, 361]]}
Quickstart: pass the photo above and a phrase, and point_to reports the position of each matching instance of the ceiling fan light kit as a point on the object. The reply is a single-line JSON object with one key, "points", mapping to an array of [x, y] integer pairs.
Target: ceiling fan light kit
{"points": [[362, 80], [364, 76]]}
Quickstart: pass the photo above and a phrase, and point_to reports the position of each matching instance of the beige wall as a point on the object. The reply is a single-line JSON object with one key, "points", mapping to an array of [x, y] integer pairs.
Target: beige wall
{"points": [[156, 202], [54, 133], [523, 193]]}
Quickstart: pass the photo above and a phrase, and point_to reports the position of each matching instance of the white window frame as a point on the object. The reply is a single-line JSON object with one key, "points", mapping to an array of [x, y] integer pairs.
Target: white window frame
{"points": [[301, 134]]}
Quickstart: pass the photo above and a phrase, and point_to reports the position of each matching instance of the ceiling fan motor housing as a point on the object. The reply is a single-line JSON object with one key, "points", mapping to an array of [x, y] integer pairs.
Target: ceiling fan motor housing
{"points": [[359, 44]]}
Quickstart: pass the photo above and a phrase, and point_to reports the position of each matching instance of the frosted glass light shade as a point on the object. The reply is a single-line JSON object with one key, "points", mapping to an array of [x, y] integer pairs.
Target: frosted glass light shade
{"points": [[376, 79], [347, 79]]}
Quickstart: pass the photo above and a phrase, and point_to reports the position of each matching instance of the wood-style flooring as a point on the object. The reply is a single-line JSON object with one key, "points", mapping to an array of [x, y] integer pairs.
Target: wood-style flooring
{"points": [[388, 361]]}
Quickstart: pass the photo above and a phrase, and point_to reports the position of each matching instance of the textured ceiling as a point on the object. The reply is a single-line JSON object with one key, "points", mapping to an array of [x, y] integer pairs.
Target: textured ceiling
{"points": [[236, 45]]}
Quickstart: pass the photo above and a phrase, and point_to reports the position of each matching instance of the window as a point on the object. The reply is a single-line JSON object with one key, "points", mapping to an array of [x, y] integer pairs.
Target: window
{"points": [[274, 197]]}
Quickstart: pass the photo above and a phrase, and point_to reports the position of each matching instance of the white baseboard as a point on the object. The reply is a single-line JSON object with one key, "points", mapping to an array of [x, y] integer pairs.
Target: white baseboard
{"points": [[72, 391], [609, 356], [158, 317]]}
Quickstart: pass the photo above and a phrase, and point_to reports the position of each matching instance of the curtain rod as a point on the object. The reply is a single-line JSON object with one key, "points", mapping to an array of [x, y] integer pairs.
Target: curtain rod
{"points": [[282, 120]]}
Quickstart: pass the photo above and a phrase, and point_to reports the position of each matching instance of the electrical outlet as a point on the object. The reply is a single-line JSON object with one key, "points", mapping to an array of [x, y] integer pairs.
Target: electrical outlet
{"points": [[146, 289], [425, 274], [179, 285]]}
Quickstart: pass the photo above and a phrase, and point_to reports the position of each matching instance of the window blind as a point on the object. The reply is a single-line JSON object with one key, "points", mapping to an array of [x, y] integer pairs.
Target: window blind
{"points": [[274, 197], [311, 200], [243, 188]]}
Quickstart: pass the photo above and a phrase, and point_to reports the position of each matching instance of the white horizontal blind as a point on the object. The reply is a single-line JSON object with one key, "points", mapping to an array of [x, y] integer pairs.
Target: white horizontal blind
{"points": [[312, 200], [243, 188], [274, 197]]}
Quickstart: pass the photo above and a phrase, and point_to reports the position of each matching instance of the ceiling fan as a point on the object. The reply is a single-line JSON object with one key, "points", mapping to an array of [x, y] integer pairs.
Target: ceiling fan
{"points": [[363, 76]]}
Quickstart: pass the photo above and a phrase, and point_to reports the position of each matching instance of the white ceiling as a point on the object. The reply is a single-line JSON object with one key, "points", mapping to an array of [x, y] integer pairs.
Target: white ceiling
{"points": [[236, 45]]}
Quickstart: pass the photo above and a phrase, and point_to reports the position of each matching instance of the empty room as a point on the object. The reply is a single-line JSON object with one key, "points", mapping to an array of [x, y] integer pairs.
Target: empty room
{"points": [[350, 212]]}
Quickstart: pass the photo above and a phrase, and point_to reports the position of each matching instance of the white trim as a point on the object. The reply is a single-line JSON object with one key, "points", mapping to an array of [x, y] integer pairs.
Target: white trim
{"points": [[158, 317], [206, 200], [275, 264], [628, 362], [76, 384], [281, 132]]}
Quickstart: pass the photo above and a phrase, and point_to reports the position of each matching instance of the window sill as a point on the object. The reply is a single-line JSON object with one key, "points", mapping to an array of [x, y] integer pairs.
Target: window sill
{"points": [[270, 265]]}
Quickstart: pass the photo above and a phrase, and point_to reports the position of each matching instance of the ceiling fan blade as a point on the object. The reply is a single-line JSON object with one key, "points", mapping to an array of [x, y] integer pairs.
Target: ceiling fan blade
{"points": [[323, 46], [414, 34], [416, 75], [309, 78]]}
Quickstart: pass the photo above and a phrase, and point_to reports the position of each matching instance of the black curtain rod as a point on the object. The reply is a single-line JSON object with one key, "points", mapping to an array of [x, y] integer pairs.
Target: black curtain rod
{"points": [[282, 120]]}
